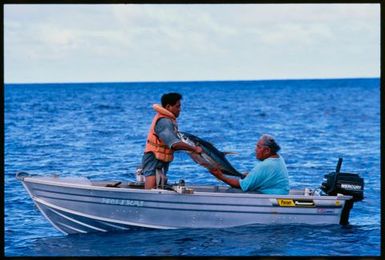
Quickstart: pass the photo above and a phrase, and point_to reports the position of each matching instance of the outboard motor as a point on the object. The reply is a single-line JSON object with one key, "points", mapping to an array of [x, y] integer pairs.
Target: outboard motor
{"points": [[345, 183]]}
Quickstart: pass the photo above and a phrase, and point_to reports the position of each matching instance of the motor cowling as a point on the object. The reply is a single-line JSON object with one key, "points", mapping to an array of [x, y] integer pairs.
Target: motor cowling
{"points": [[344, 183]]}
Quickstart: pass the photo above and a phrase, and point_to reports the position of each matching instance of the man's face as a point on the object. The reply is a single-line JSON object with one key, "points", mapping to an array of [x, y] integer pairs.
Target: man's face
{"points": [[261, 151], [175, 109]]}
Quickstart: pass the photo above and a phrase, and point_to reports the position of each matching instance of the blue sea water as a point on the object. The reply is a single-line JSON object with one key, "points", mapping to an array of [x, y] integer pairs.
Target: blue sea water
{"points": [[98, 130]]}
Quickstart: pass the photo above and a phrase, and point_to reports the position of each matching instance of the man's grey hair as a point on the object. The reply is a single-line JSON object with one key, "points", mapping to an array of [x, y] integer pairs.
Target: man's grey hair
{"points": [[270, 142]]}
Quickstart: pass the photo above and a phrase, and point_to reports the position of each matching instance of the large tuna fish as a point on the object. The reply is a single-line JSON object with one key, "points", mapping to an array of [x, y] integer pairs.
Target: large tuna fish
{"points": [[211, 157]]}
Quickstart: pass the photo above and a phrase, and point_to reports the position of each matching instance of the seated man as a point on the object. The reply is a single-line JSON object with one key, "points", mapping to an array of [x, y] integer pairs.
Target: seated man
{"points": [[269, 176]]}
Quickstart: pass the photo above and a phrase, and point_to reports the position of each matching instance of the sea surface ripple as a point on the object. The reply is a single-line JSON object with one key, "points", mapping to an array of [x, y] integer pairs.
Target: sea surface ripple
{"points": [[98, 130]]}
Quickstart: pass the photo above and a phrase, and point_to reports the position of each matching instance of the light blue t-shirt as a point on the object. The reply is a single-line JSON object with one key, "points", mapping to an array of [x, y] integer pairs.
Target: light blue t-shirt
{"points": [[268, 176]]}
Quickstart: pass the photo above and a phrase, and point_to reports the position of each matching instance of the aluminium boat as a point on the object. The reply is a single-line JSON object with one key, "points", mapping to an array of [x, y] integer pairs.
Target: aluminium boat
{"points": [[80, 205]]}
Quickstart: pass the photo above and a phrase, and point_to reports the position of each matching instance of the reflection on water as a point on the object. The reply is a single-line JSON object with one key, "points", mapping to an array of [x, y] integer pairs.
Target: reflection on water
{"points": [[256, 240]]}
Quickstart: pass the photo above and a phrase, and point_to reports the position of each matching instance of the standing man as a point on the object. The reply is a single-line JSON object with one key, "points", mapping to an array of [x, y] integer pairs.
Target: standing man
{"points": [[162, 140], [270, 176]]}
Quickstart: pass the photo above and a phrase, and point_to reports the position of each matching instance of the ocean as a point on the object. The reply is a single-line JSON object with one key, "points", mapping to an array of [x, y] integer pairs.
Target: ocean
{"points": [[98, 130]]}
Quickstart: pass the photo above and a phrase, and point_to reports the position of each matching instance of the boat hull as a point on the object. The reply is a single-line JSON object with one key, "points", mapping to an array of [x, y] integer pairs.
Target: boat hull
{"points": [[79, 206]]}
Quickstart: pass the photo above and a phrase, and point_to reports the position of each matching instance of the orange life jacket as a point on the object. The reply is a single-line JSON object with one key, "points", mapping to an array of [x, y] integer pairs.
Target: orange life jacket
{"points": [[161, 151]]}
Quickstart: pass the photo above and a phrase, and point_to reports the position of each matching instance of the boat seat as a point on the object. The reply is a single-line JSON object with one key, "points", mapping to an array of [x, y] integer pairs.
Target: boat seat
{"points": [[115, 185], [136, 185], [296, 192]]}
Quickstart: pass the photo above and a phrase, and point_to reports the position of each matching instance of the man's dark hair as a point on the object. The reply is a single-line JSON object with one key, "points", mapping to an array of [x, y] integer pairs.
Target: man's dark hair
{"points": [[170, 99]]}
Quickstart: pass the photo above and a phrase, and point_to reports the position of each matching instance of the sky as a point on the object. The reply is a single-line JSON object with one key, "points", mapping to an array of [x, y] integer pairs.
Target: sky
{"points": [[189, 42]]}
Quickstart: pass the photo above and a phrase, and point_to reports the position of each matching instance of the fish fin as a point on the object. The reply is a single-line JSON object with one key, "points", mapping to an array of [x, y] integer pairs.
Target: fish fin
{"points": [[227, 153]]}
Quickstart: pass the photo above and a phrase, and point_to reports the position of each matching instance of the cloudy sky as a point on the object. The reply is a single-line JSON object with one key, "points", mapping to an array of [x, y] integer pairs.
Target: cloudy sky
{"points": [[131, 42]]}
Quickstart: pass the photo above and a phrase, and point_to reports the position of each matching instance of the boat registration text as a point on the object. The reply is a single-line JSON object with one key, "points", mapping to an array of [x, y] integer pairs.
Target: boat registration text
{"points": [[137, 203]]}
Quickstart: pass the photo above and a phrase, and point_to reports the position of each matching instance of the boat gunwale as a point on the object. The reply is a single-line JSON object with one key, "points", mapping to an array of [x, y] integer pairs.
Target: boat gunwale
{"points": [[63, 183]]}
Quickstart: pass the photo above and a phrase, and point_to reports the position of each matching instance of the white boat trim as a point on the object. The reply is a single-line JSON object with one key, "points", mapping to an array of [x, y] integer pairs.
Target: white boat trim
{"points": [[99, 218], [73, 228], [76, 221], [114, 226]]}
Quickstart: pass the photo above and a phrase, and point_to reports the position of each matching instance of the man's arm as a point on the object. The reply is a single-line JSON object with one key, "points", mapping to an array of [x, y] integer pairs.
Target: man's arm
{"points": [[230, 181], [187, 147], [165, 130]]}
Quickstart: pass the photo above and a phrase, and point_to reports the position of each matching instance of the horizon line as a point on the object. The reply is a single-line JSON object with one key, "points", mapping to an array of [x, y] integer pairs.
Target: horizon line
{"points": [[186, 81]]}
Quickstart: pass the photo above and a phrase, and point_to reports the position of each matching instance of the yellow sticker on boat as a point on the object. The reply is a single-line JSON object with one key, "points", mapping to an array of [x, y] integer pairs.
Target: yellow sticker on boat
{"points": [[286, 203]]}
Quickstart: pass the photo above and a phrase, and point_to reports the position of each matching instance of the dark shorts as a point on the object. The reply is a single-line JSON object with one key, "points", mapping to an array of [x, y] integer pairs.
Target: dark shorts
{"points": [[150, 164]]}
